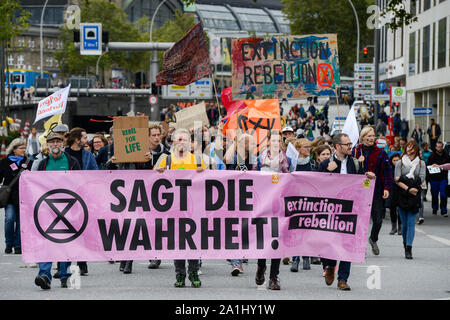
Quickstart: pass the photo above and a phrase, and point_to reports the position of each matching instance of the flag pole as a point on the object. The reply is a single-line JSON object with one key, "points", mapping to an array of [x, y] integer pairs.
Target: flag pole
{"points": [[215, 90]]}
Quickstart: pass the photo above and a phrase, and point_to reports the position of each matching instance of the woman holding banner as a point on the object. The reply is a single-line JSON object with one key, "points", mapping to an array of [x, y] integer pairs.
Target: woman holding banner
{"points": [[239, 156], [375, 163], [272, 159], [304, 163]]}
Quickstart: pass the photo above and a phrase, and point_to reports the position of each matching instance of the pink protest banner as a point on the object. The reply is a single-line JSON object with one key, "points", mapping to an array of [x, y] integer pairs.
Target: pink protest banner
{"points": [[141, 215]]}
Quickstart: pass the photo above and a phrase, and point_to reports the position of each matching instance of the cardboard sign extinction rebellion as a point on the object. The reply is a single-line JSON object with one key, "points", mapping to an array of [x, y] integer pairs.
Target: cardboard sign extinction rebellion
{"points": [[131, 141], [183, 214], [285, 67]]}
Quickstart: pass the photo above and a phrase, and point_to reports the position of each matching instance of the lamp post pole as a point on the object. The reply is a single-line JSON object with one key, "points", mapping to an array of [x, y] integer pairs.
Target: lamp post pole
{"points": [[357, 29], [42, 41], [154, 67]]}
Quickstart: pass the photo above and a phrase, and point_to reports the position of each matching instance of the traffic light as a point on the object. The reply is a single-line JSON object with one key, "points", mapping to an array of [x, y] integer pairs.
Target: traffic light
{"points": [[365, 51]]}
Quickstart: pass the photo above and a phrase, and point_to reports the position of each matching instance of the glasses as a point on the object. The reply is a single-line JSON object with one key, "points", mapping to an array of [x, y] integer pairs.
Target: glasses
{"points": [[346, 144]]}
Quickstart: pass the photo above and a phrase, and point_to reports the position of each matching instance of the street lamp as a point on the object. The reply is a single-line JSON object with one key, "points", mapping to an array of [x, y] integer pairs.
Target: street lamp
{"points": [[357, 27], [154, 64], [42, 42]]}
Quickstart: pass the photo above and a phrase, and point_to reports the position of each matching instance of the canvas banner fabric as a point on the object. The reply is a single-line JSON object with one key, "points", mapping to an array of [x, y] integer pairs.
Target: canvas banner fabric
{"points": [[185, 214]]}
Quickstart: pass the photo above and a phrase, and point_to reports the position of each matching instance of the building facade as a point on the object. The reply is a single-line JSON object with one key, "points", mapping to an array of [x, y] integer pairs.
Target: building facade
{"points": [[418, 57]]}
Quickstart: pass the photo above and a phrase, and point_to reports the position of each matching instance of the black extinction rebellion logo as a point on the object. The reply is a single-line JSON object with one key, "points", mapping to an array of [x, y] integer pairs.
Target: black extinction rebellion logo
{"points": [[60, 207]]}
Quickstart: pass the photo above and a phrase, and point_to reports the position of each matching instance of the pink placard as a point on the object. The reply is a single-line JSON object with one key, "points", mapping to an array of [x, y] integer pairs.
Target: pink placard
{"points": [[141, 215]]}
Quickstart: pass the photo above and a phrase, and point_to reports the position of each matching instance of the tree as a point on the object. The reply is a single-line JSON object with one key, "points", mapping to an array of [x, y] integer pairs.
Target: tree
{"points": [[113, 20], [13, 21], [331, 16], [401, 17]]}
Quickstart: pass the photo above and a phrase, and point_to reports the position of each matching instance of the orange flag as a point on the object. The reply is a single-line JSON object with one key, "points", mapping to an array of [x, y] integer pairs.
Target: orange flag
{"points": [[257, 119]]}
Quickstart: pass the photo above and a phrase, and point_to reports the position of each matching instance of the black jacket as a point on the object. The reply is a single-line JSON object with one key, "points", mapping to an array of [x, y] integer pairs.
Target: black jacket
{"points": [[7, 174], [73, 163], [351, 166], [406, 200], [436, 158]]}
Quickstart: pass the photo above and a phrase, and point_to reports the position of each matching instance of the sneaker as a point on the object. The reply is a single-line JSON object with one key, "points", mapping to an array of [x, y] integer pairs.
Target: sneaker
{"points": [[306, 265], [43, 282], [434, 212], [17, 250], [64, 283], [154, 264], [8, 249], [375, 249], [259, 279], [56, 275], [342, 285], [445, 215], [316, 261], [329, 276], [286, 261], [294, 267], [235, 271], [180, 282], [274, 284], [421, 220], [195, 280]]}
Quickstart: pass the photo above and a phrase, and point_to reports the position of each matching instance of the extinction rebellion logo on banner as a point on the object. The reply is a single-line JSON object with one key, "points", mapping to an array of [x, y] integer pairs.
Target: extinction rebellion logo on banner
{"points": [[323, 214], [57, 215]]}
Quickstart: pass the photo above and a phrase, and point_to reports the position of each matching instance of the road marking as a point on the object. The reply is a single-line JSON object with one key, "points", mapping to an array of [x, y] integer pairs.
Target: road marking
{"points": [[5, 262], [443, 298], [436, 238]]}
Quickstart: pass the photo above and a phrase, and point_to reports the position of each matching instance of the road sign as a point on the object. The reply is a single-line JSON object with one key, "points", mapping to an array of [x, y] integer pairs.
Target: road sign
{"points": [[364, 85], [377, 97], [422, 111], [364, 67], [362, 93], [399, 94], [91, 38], [200, 89], [364, 76], [153, 99]]}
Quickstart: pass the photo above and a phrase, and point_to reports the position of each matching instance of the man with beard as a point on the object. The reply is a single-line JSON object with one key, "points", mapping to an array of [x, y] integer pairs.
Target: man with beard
{"points": [[76, 140], [62, 161]]}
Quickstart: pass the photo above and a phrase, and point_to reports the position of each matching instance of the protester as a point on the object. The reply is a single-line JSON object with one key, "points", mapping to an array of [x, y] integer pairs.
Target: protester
{"points": [[410, 176], [434, 132], [439, 180], [105, 154], [181, 158], [15, 162], [98, 142], [58, 160], [375, 163], [341, 162], [76, 140], [303, 147], [272, 159], [381, 127], [322, 153], [239, 156], [417, 135], [33, 145], [392, 201]]}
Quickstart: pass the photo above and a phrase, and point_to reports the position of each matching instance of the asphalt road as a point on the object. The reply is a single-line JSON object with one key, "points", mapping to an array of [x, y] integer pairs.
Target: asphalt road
{"points": [[387, 276]]}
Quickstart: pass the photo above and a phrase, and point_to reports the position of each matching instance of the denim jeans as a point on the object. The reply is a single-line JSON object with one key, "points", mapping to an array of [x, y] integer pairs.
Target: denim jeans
{"points": [[45, 268], [12, 226], [438, 188], [408, 226], [344, 268], [422, 196], [180, 266]]}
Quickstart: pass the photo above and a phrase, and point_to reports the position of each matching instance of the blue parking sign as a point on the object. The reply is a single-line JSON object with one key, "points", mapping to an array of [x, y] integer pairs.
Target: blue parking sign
{"points": [[91, 38]]}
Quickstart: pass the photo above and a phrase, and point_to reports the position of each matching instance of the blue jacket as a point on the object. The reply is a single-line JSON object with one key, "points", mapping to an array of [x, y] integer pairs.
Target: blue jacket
{"points": [[89, 162]]}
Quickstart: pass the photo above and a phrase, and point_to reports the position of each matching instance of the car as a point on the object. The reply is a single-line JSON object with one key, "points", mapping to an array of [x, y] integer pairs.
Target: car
{"points": [[337, 126], [356, 106]]}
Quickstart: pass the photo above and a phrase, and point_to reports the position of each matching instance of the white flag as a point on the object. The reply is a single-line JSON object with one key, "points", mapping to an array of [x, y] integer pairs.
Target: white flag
{"points": [[351, 127], [54, 104]]}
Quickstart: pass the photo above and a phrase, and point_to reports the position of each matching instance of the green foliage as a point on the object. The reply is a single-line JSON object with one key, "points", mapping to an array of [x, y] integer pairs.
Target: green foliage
{"points": [[402, 17], [113, 20], [332, 16], [13, 20], [10, 137]]}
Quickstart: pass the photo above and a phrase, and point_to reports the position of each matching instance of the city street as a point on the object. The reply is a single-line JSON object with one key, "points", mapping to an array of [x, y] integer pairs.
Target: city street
{"points": [[424, 277]]}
